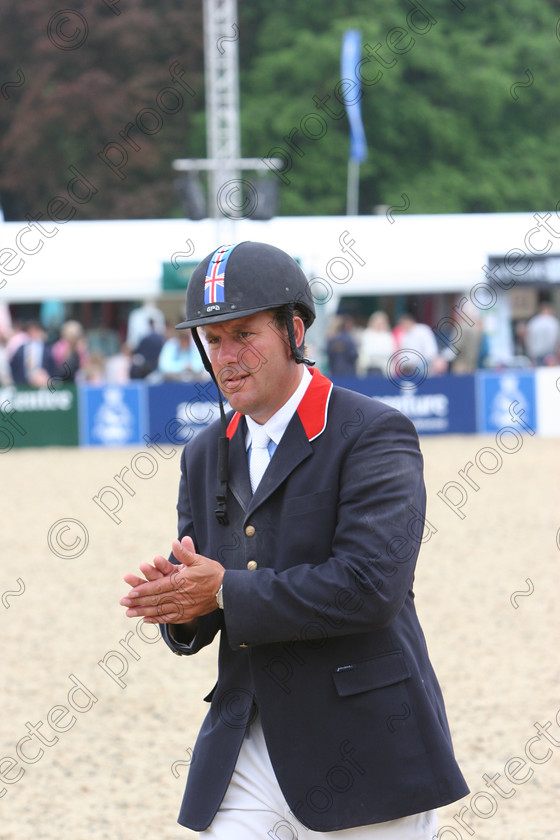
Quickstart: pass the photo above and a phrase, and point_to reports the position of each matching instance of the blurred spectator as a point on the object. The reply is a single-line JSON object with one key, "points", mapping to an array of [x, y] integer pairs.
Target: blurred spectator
{"points": [[17, 338], [5, 321], [146, 355], [94, 371], [519, 337], [463, 347], [5, 333], [5, 370], [103, 341], [32, 363], [421, 341], [542, 336], [70, 351], [51, 316], [377, 345], [143, 320], [179, 358], [117, 366], [342, 352]]}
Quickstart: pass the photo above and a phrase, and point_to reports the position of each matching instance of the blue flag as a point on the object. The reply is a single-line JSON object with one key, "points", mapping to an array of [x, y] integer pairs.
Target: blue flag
{"points": [[351, 54]]}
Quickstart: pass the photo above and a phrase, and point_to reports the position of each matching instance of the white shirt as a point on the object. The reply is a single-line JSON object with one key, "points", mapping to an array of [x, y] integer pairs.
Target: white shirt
{"points": [[542, 335], [421, 339], [276, 425]]}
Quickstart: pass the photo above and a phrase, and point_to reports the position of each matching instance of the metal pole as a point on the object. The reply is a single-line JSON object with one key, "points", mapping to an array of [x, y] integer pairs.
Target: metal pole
{"points": [[222, 95], [353, 187]]}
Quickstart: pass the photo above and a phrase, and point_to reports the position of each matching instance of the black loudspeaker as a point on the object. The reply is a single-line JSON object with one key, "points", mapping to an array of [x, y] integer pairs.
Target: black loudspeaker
{"points": [[190, 194], [267, 199]]}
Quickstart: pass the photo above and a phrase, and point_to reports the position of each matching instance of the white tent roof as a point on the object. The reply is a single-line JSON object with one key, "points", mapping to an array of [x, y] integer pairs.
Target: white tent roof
{"points": [[122, 260]]}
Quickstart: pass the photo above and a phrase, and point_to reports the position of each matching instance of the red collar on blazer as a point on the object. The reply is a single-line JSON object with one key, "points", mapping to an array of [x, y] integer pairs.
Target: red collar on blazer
{"points": [[312, 410]]}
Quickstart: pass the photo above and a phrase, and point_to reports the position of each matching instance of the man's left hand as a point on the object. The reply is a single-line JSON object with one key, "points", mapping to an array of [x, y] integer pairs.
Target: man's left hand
{"points": [[175, 594]]}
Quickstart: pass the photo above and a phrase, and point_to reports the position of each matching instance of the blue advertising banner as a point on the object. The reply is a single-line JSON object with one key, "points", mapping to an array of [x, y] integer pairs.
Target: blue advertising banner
{"points": [[174, 412], [178, 410], [112, 415], [504, 399], [438, 405]]}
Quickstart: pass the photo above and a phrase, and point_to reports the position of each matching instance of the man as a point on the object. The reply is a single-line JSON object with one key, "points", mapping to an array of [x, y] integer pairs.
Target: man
{"points": [[146, 355], [139, 323], [342, 352], [179, 359], [542, 338], [32, 363], [327, 719], [419, 340]]}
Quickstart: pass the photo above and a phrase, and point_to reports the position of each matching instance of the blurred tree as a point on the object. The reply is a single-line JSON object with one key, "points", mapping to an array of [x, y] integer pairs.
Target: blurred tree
{"points": [[462, 119], [90, 72]]}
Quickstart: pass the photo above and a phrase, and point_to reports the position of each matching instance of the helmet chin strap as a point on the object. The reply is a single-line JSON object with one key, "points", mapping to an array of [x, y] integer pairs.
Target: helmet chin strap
{"points": [[297, 352], [223, 442]]}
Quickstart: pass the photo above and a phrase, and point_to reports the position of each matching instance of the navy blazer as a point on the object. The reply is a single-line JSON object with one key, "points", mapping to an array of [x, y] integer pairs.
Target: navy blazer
{"points": [[17, 364], [319, 631]]}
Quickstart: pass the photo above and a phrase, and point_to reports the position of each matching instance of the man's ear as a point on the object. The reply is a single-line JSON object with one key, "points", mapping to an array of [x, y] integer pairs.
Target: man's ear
{"points": [[299, 329]]}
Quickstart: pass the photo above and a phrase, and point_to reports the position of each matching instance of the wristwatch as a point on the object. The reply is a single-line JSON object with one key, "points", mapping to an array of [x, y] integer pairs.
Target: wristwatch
{"points": [[220, 597]]}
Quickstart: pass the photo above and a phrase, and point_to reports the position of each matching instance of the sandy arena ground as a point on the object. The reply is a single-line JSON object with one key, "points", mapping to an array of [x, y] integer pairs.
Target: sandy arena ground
{"points": [[118, 771]]}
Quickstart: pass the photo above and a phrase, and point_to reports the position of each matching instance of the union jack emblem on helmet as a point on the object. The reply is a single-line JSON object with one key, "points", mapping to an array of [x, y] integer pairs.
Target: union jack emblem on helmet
{"points": [[214, 291]]}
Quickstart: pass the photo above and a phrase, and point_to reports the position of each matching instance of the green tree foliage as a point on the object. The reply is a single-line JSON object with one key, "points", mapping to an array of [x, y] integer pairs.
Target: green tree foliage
{"points": [[444, 124], [86, 79], [463, 116]]}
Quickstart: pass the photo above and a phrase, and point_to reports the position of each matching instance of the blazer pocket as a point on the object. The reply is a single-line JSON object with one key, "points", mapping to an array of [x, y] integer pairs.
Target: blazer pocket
{"points": [[300, 505], [380, 671]]}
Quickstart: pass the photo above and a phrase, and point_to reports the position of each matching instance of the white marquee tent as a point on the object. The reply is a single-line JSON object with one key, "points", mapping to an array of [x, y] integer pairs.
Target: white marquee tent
{"points": [[122, 260]]}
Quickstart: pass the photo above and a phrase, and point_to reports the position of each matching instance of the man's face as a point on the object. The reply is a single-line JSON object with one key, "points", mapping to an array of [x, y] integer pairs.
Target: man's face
{"points": [[252, 363], [36, 332]]}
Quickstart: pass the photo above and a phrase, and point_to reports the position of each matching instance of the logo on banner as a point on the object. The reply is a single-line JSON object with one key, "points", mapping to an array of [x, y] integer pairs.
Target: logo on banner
{"points": [[113, 422], [428, 412], [499, 392]]}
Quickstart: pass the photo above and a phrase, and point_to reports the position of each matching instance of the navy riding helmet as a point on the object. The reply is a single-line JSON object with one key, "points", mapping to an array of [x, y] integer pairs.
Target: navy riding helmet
{"points": [[238, 280]]}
